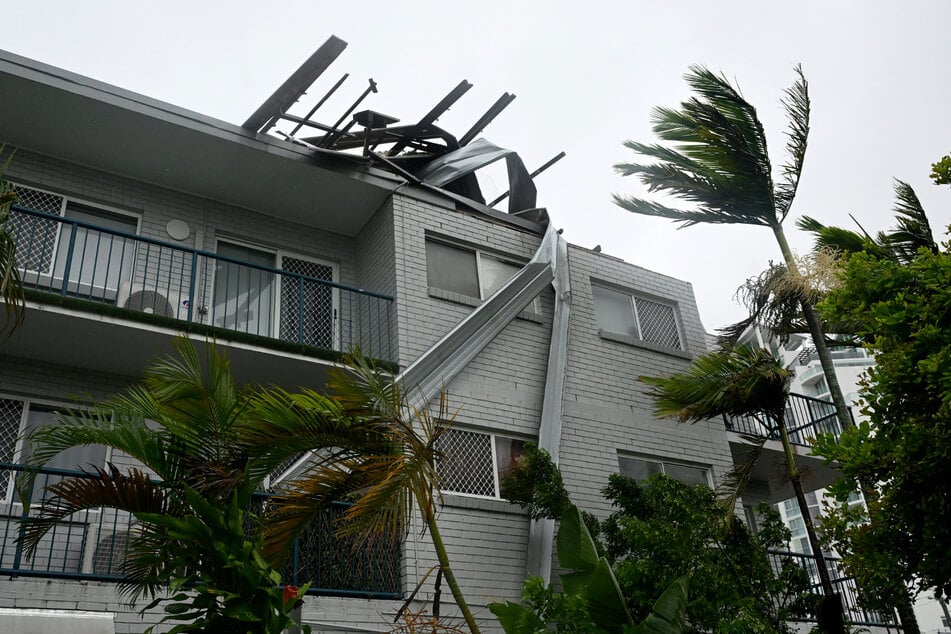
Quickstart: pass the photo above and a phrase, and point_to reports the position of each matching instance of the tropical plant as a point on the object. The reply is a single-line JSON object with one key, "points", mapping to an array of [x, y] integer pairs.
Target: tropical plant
{"points": [[367, 445], [743, 381], [11, 290], [720, 164], [901, 453], [195, 531], [661, 530], [911, 233], [592, 601]]}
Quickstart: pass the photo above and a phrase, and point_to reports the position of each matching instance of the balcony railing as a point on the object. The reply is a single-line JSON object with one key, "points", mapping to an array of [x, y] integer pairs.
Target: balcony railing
{"points": [[298, 303], [91, 545], [843, 586], [805, 418]]}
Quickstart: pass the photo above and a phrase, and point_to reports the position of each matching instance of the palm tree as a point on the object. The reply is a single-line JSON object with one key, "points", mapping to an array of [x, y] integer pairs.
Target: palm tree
{"points": [[774, 297], [720, 164], [743, 381], [183, 425], [11, 291], [912, 231], [365, 442]]}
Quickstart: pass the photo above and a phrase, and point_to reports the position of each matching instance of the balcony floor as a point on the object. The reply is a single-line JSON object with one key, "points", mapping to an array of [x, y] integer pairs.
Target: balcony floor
{"points": [[76, 338]]}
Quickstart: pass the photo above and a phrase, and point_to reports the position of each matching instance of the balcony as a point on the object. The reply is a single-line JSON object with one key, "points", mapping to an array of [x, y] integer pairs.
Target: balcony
{"points": [[100, 270], [91, 545], [844, 586], [805, 418]]}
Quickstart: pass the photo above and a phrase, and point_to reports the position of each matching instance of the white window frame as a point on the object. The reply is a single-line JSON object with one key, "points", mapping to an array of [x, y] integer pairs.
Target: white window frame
{"points": [[479, 253], [663, 462], [21, 439], [633, 297], [496, 475], [47, 277], [279, 255]]}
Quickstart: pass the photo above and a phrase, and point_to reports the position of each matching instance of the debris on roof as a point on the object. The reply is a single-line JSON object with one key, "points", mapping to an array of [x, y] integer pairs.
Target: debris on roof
{"points": [[420, 152]]}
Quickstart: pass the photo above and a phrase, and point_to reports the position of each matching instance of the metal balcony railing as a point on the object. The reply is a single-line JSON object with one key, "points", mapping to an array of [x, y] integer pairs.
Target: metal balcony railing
{"points": [[805, 418], [91, 545], [843, 586], [298, 303]]}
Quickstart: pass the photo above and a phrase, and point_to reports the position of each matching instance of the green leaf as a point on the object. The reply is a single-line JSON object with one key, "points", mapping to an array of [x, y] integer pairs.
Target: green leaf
{"points": [[516, 619], [576, 548]]}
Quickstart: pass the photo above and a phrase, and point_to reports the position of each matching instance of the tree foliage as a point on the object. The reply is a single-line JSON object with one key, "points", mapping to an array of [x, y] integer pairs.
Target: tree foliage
{"points": [[902, 312], [196, 533], [663, 529]]}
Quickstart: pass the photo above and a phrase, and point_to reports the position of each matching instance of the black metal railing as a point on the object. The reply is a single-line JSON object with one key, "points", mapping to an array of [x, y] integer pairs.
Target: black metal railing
{"points": [[805, 418], [844, 586], [298, 302], [91, 545]]}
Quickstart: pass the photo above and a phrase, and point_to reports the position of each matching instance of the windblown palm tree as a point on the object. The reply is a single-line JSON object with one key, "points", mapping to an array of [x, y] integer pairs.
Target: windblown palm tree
{"points": [[774, 297], [742, 381], [365, 442], [183, 425], [11, 291], [912, 231], [718, 162]]}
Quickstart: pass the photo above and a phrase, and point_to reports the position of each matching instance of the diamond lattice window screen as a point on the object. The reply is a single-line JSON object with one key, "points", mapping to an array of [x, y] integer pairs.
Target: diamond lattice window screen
{"points": [[11, 413], [466, 464], [658, 323], [35, 237], [307, 307]]}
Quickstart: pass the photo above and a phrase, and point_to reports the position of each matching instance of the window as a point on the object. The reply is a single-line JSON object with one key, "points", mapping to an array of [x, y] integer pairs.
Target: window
{"points": [[473, 463], [468, 272], [637, 317], [251, 298], [18, 418], [95, 260], [640, 469]]}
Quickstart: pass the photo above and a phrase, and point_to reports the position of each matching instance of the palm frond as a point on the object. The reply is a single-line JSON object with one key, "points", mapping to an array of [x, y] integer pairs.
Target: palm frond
{"points": [[913, 231], [796, 103], [842, 240], [772, 302], [718, 160], [734, 381], [133, 492], [737, 478]]}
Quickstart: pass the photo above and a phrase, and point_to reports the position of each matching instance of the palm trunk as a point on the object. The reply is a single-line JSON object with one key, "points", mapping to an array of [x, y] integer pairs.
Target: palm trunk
{"points": [[443, 558], [818, 337], [831, 618], [906, 614]]}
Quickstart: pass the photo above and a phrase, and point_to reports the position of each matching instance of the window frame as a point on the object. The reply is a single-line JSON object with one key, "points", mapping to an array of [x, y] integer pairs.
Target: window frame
{"points": [[639, 340], [663, 462], [479, 253], [274, 331], [48, 277], [496, 473], [8, 500]]}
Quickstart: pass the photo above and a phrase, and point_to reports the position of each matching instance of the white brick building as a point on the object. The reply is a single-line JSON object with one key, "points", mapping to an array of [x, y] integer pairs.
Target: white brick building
{"points": [[139, 202]]}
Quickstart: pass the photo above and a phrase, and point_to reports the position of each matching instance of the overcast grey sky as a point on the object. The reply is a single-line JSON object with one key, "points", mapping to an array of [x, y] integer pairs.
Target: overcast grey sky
{"points": [[586, 76]]}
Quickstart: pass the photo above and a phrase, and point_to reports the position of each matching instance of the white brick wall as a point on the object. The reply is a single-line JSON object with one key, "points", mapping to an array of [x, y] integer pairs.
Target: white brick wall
{"points": [[605, 409]]}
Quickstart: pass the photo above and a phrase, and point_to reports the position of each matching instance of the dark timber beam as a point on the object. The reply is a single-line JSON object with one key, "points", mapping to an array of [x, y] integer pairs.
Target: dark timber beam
{"points": [[295, 85]]}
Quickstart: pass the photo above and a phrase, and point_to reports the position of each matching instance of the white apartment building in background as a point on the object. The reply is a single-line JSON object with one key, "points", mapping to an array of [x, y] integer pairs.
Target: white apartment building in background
{"points": [[289, 241]]}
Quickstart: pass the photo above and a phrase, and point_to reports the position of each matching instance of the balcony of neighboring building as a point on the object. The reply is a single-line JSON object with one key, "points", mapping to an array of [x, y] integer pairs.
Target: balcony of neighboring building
{"points": [[101, 296], [805, 418]]}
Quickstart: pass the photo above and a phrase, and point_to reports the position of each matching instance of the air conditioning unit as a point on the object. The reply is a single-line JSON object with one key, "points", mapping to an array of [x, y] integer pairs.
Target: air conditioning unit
{"points": [[155, 301], [110, 552]]}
